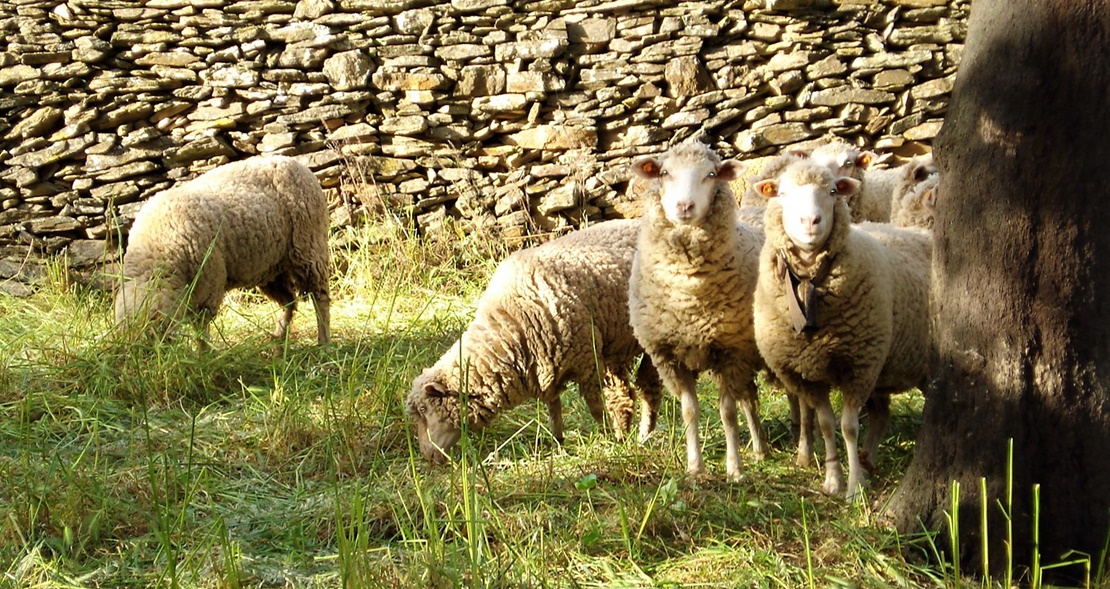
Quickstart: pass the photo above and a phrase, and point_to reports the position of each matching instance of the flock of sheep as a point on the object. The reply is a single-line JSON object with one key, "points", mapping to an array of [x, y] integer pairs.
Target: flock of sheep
{"points": [[811, 266]]}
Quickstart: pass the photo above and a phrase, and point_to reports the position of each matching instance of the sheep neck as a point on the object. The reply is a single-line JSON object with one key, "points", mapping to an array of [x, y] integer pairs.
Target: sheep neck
{"points": [[802, 273]]}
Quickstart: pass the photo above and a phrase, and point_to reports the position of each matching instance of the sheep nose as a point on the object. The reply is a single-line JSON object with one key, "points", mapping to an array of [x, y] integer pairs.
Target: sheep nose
{"points": [[811, 222], [685, 207]]}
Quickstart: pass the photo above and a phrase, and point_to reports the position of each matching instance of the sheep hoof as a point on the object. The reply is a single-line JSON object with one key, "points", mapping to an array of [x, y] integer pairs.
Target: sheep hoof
{"points": [[832, 486], [865, 462]]}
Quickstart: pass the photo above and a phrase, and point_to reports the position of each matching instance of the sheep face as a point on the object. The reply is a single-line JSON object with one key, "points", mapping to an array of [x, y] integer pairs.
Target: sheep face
{"points": [[842, 159], [687, 185], [433, 409], [807, 195]]}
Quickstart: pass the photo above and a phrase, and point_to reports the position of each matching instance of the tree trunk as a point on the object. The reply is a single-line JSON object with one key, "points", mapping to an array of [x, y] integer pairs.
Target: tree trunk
{"points": [[1021, 288]]}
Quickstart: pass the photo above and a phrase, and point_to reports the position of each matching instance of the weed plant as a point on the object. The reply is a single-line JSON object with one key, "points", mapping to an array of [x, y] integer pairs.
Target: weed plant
{"points": [[281, 464]]}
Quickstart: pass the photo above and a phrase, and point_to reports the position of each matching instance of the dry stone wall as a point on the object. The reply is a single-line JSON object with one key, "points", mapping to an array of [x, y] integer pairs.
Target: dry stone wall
{"points": [[519, 116]]}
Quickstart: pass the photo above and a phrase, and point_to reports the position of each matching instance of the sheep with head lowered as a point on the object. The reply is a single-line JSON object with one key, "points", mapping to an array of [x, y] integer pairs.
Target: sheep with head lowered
{"points": [[551, 314], [690, 294], [259, 222], [839, 306]]}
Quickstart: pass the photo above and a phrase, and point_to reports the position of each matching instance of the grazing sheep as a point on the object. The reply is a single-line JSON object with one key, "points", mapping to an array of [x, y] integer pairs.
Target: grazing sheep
{"points": [[258, 222], [690, 294], [915, 196], [841, 306], [552, 314]]}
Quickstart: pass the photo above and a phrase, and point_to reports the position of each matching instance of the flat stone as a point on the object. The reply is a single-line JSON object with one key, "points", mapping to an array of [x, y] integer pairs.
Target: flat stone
{"points": [[884, 61], [17, 74], [842, 95], [53, 225], [56, 152], [36, 124], [404, 125], [402, 81], [501, 103], [554, 137]]}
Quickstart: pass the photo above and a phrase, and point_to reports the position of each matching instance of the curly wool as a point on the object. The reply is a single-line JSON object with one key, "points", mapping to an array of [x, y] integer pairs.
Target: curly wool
{"points": [[551, 315], [872, 307], [692, 285], [690, 300], [257, 222], [869, 337], [909, 204]]}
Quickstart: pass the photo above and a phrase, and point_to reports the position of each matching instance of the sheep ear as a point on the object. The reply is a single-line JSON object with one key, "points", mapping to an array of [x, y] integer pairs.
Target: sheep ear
{"points": [[802, 153], [846, 186], [767, 188], [435, 389], [729, 170], [647, 167], [921, 172], [866, 158], [929, 199]]}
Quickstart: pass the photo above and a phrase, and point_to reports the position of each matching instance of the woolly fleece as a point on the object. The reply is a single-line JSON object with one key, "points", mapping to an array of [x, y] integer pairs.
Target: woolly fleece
{"points": [[552, 314], [872, 333], [257, 222], [690, 300]]}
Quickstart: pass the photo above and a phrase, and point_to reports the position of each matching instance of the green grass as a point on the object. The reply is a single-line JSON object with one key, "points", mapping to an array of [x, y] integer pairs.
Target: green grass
{"points": [[254, 464]]}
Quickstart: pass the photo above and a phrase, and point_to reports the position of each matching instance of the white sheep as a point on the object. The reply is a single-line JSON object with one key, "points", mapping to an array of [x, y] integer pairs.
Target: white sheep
{"points": [[552, 314], [690, 294], [915, 197], [839, 306], [872, 201], [258, 222]]}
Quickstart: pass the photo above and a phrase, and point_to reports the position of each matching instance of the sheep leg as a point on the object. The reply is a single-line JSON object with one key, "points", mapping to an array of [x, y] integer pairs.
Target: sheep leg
{"points": [[555, 417], [802, 396], [279, 290], [651, 397], [805, 432], [795, 417], [849, 427], [878, 418], [682, 383], [749, 404], [834, 477], [321, 301]]}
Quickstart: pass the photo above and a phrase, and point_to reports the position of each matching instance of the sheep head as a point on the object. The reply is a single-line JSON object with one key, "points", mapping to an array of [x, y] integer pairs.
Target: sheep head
{"points": [[807, 193], [686, 178], [843, 159], [433, 408]]}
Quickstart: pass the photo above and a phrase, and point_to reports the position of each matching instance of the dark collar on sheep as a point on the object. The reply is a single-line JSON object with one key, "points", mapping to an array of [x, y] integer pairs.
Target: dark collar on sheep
{"points": [[801, 290], [802, 287]]}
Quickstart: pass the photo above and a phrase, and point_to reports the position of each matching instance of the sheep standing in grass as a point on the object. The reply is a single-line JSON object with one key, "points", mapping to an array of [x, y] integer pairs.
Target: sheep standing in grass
{"points": [[841, 306], [553, 314], [258, 222], [690, 294]]}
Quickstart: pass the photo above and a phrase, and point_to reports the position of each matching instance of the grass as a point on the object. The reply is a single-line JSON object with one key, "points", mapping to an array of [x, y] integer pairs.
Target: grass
{"points": [[255, 464]]}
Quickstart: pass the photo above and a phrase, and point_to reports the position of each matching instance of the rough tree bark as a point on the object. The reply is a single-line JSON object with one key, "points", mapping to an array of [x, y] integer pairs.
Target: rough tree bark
{"points": [[1021, 285]]}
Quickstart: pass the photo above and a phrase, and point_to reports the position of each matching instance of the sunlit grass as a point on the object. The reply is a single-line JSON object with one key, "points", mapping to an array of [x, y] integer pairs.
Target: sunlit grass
{"points": [[257, 463]]}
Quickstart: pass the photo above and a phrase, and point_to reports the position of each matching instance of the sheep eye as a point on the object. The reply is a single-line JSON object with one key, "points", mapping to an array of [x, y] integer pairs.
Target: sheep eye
{"points": [[832, 190], [848, 164], [663, 172], [713, 174], [423, 409]]}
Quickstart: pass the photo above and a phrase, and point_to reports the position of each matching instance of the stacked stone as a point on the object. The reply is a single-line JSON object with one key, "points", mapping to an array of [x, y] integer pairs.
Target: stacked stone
{"points": [[519, 116]]}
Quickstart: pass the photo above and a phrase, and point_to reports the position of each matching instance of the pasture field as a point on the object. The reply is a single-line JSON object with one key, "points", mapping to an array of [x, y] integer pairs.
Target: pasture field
{"points": [[258, 464]]}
